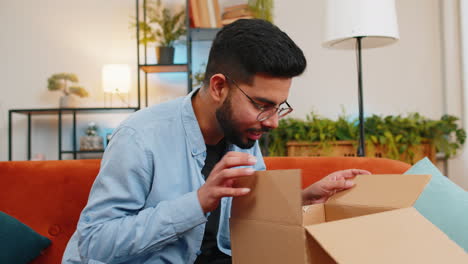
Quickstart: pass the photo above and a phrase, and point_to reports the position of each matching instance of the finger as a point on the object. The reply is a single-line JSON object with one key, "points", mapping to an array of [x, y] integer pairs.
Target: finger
{"points": [[361, 172], [351, 173], [231, 174], [239, 160], [332, 186], [231, 192], [235, 159]]}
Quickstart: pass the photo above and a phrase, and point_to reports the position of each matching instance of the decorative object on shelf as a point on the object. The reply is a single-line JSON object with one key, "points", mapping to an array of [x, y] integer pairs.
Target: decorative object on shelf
{"points": [[394, 137], [106, 133], [262, 9], [108, 138], [360, 24], [116, 80], [60, 82], [92, 141], [163, 27]]}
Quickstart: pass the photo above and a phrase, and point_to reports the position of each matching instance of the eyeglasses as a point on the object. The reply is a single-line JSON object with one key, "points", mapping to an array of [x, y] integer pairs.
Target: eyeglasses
{"points": [[266, 111]]}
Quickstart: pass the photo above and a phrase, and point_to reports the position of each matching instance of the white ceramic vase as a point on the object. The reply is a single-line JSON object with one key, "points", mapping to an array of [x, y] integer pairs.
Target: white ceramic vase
{"points": [[67, 101]]}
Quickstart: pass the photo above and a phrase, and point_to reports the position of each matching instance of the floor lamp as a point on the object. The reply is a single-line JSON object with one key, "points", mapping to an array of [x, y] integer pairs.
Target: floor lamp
{"points": [[360, 24]]}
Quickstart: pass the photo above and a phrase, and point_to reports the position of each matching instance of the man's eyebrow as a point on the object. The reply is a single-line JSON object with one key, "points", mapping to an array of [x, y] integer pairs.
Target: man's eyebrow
{"points": [[266, 100]]}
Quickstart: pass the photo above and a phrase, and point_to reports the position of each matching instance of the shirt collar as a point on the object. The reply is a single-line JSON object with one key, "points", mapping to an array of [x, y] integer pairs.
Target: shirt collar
{"points": [[192, 128]]}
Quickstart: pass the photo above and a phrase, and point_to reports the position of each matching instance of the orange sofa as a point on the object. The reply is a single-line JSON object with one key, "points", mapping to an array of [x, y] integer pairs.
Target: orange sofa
{"points": [[48, 196]]}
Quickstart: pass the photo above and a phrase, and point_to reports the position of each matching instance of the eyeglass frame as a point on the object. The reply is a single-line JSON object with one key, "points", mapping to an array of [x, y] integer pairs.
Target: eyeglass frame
{"points": [[262, 108]]}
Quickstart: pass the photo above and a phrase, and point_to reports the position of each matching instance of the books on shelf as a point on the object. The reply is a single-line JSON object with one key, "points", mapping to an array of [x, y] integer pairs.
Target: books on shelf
{"points": [[205, 13], [233, 13], [214, 13], [194, 14]]}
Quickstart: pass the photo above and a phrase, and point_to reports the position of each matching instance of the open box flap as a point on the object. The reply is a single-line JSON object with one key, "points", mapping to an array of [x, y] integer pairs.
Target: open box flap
{"points": [[382, 191], [275, 196], [398, 236]]}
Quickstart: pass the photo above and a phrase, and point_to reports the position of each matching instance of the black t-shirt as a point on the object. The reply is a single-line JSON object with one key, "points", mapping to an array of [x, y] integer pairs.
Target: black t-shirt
{"points": [[209, 248]]}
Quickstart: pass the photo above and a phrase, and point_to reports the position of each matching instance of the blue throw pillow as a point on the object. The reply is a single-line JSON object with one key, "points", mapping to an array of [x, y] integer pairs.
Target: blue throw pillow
{"points": [[18, 242], [443, 203]]}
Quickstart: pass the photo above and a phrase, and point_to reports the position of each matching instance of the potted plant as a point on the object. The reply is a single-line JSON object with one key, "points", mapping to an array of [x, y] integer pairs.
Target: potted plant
{"points": [[406, 138], [60, 82], [163, 27], [262, 9]]}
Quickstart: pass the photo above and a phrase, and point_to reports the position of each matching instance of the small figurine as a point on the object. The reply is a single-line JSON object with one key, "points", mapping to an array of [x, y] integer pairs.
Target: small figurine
{"points": [[91, 141]]}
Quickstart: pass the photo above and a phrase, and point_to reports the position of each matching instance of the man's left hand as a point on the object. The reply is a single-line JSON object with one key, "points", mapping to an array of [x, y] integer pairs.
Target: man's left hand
{"points": [[320, 191]]}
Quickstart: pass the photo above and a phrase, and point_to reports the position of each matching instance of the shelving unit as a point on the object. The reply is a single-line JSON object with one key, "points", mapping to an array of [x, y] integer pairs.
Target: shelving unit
{"points": [[60, 112], [193, 34], [144, 68]]}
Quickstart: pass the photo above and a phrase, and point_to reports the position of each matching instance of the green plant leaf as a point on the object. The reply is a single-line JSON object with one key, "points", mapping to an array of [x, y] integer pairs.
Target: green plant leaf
{"points": [[397, 134], [162, 26]]}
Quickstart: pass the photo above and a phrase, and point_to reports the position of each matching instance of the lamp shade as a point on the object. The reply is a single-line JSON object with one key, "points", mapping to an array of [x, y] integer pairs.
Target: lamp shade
{"points": [[374, 20], [116, 78]]}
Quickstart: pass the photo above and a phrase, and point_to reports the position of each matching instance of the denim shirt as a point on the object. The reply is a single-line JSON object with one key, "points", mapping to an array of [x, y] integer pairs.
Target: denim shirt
{"points": [[143, 206]]}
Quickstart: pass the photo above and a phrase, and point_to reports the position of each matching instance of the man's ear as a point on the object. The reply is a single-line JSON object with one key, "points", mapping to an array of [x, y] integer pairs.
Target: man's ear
{"points": [[218, 88]]}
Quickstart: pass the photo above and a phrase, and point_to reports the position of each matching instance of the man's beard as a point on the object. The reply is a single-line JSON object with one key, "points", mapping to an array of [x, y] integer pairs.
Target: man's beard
{"points": [[230, 127]]}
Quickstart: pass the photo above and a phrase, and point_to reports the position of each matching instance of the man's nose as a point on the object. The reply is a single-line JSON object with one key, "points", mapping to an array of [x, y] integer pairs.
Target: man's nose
{"points": [[271, 122]]}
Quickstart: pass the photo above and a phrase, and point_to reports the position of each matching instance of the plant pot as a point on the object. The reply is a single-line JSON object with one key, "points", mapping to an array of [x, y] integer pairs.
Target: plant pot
{"points": [[349, 149], [67, 101], [165, 55]]}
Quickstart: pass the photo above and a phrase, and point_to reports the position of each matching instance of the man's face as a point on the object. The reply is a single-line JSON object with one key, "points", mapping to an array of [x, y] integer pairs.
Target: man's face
{"points": [[237, 116]]}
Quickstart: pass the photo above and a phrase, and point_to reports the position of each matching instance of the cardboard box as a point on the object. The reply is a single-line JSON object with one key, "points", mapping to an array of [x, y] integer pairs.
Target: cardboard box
{"points": [[374, 222]]}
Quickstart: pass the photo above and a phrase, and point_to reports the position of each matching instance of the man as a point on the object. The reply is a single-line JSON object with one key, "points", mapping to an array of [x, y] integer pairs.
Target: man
{"points": [[163, 194]]}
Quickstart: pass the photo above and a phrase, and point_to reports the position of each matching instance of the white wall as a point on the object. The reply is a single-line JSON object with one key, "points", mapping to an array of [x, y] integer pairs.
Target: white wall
{"points": [[40, 38], [396, 77]]}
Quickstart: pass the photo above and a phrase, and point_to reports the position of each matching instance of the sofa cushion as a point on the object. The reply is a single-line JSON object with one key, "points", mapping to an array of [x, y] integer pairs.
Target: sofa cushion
{"points": [[18, 242], [443, 203]]}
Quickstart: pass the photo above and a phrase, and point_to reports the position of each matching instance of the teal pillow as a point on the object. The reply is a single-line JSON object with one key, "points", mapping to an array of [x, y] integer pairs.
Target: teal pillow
{"points": [[443, 203], [18, 242]]}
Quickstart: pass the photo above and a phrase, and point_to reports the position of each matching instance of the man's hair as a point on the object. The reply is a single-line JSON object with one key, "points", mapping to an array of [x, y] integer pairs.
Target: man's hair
{"points": [[250, 46]]}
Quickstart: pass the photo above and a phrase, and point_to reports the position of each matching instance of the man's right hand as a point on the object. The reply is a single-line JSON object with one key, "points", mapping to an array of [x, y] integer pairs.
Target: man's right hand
{"points": [[221, 179]]}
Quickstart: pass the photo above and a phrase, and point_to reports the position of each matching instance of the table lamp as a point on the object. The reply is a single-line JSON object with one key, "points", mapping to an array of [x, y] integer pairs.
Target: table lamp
{"points": [[116, 81]]}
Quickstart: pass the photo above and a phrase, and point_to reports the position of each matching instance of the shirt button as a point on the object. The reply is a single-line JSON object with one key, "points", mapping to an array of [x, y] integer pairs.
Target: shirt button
{"points": [[198, 253]]}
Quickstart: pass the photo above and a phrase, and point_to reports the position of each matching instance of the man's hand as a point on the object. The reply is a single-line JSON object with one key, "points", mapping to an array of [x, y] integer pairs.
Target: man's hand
{"points": [[219, 183], [320, 191]]}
